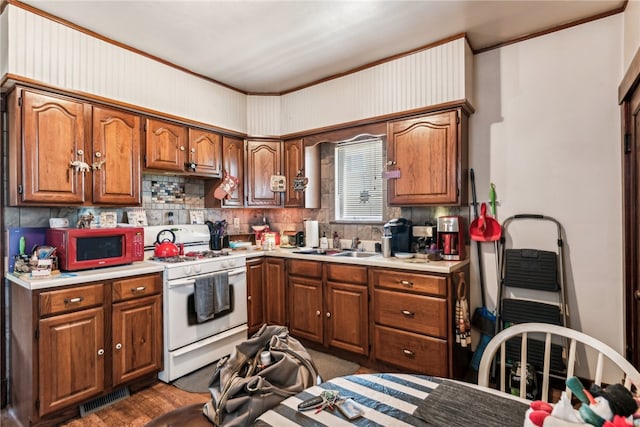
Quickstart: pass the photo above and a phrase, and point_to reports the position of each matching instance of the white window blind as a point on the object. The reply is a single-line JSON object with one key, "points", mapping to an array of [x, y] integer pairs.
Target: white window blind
{"points": [[359, 180]]}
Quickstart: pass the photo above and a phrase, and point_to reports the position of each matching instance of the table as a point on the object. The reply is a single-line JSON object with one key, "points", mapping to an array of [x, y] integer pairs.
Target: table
{"points": [[391, 400]]}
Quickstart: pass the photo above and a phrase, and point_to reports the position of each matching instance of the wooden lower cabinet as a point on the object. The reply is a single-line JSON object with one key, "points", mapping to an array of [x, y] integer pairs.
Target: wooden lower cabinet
{"points": [[275, 308], [413, 322], [329, 304], [305, 299], [77, 343], [411, 351], [255, 294]]}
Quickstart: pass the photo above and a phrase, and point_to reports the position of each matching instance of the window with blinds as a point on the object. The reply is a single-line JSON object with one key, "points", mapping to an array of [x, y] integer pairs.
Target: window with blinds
{"points": [[359, 180]]}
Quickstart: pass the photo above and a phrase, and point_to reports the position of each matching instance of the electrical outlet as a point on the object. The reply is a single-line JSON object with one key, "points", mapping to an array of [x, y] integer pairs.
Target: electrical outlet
{"points": [[236, 222]]}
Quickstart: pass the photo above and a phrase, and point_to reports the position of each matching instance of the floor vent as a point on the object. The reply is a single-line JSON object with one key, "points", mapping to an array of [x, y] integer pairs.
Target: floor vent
{"points": [[104, 401]]}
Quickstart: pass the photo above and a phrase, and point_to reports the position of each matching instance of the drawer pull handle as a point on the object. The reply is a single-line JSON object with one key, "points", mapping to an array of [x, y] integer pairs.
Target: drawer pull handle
{"points": [[408, 352], [73, 300], [408, 313], [138, 289], [406, 283]]}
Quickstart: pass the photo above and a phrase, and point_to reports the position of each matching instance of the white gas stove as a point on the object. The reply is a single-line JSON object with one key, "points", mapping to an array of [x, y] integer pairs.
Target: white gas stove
{"points": [[188, 343]]}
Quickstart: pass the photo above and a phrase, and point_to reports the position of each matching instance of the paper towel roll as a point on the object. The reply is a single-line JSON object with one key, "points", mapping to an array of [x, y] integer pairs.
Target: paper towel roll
{"points": [[311, 234]]}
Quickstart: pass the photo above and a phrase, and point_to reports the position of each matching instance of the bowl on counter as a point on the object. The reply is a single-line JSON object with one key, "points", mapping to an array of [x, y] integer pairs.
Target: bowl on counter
{"points": [[404, 255]]}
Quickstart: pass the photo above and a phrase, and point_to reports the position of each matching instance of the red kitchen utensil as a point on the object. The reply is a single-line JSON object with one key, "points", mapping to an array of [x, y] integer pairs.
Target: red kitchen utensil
{"points": [[485, 228]]}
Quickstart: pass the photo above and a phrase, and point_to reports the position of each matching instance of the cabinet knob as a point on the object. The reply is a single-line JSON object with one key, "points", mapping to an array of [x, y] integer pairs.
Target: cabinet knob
{"points": [[636, 295], [328, 314], [118, 346], [182, 148], [318, 313], [101, 352], [406, 283], [249, 298], [408, 313], [98, 154], [408, 352]]}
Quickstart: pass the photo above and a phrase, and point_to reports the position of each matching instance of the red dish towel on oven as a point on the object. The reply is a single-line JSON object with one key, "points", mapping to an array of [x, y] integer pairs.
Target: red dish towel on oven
{"points": [[211, 296]]}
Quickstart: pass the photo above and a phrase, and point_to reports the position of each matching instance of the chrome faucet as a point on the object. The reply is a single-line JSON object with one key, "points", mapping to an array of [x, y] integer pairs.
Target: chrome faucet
{"points": [[355, 242]]}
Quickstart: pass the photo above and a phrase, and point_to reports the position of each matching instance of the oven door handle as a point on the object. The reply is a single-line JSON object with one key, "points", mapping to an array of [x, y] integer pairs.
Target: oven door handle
{"points": [[190, 281], [180, 283]]}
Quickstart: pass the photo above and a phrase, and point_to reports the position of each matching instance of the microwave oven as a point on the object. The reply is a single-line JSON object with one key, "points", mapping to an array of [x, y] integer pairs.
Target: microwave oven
{"points": [[86, 248]]}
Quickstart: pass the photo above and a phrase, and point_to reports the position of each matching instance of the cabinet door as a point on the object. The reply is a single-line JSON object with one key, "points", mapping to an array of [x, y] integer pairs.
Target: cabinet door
{"points": [[275, 292], [425, 152], [137, 338], [116, 156], [263, 161], [305, 308], [255, 294], [347, 317], [166, 144], [71, 355], [205, 151], [293, 164], [233, 164], [53, 135]]}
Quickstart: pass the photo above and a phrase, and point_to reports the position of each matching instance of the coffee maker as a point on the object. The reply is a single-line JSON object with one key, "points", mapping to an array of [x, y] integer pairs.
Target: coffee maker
{"points": [[400, 231], [451, 237]]}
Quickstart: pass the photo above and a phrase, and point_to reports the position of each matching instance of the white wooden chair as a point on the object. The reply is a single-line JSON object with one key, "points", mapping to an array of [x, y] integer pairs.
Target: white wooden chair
{"points": [[546, 332]]}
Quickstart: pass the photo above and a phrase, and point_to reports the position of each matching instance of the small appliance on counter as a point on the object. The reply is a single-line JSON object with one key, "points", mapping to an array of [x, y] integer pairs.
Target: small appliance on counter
{"points": [[400, 231], [288, 239], [311, 234], [423, 237], [451, 237]]}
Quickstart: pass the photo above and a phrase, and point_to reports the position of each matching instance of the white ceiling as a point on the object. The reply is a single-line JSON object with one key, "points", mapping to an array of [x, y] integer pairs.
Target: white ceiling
{"points": [[262, 46]]}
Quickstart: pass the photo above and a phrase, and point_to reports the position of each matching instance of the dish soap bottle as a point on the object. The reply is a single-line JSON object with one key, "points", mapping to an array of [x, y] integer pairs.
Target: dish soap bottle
{"points": [[324, 242], [336, 240]]}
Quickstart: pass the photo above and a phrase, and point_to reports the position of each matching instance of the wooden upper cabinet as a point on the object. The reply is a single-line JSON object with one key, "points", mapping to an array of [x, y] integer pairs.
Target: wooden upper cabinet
{"points": [[46, 134], [205, 149], [116, 157], [263, 161], [430, 153], [166, 144], [293, 153], [233, 164]]}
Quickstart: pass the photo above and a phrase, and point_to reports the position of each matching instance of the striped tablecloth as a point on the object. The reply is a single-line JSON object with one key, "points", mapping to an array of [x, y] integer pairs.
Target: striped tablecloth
{"points": [[390, 400]]}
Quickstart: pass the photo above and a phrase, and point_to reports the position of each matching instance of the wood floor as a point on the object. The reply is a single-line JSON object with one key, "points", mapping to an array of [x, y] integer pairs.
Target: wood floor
{"points": [[138, 409]]}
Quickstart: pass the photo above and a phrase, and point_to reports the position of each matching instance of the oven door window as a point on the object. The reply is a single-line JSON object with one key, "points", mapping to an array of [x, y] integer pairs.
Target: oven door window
{"points": [[90, 248]]}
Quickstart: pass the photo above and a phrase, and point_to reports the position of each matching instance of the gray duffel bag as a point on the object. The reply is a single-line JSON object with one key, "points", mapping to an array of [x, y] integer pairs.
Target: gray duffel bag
{"points": [[242, 387]]}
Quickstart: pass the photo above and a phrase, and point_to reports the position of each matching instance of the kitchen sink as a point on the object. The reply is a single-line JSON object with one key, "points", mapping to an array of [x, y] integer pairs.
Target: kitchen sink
{"points": [[354, 254]]}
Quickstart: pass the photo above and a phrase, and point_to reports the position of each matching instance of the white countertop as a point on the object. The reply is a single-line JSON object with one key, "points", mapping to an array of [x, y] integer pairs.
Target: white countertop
{"points": [[415, 264], [85, 276]]}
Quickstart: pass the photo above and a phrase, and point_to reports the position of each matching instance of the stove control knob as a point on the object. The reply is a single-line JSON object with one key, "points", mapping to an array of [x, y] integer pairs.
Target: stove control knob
{"points": [[188, 270], [197, 268]]}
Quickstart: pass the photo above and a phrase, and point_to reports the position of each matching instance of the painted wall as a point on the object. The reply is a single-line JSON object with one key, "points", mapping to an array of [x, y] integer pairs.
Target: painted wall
{"points": [[631, 31], [428, 77], [547, 132], [66, 58]]}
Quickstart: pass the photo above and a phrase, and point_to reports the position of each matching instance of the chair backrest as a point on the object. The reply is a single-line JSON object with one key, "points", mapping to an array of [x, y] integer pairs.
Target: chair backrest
{"points": [[569, 337]]}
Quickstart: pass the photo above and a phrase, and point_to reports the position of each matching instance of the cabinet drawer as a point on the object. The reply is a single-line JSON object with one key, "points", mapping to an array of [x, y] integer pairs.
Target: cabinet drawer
{"points": [[71, 299], [416, 313], [305, 268], [346, 273], [410, 351], [136, 287], [395, 279]]}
